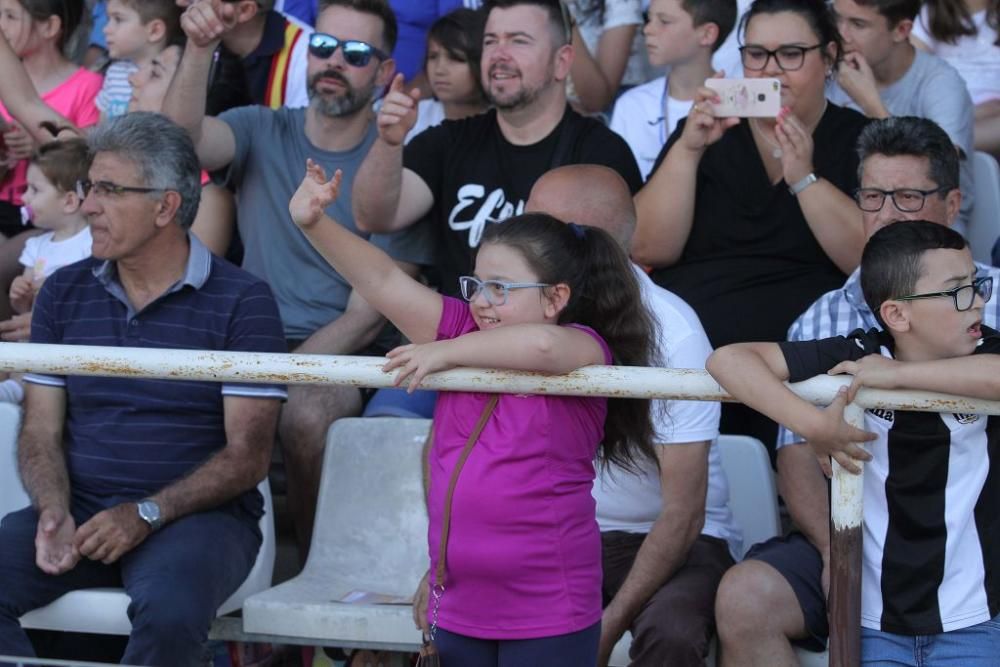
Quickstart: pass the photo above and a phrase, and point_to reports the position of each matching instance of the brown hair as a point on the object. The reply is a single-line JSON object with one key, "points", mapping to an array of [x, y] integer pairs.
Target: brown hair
{"points": [[605, 296], [379, 8], [63, 162], [948, 20], [164, 10]]}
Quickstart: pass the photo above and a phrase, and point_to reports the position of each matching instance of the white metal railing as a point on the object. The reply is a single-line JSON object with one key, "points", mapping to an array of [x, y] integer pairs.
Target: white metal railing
{"points": [[613, 381]]}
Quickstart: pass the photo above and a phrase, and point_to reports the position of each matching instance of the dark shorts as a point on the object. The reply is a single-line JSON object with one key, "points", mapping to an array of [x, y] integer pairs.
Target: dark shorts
{"points": [[801, 564]]}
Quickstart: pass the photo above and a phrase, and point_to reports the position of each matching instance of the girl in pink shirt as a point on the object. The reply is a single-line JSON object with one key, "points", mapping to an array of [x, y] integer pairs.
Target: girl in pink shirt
{"points": [[36, 31], [523, 568]]}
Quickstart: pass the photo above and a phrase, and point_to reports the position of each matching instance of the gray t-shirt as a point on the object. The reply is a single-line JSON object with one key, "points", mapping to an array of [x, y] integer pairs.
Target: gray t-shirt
{"points": [[932, 89], [267, 168]]}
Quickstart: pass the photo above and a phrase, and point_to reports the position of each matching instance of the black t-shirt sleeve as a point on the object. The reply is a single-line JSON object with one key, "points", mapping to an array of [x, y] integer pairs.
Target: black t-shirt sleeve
{"points": [[810, 358], [425, 155]]}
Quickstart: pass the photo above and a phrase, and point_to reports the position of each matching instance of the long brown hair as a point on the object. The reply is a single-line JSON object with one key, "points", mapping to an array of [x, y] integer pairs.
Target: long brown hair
{"points": [[605, 296], [948, 20]]}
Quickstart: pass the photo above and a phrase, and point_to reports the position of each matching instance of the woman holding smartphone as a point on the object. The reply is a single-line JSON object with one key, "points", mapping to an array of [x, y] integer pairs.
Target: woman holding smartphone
{"points": [[749, 220]]}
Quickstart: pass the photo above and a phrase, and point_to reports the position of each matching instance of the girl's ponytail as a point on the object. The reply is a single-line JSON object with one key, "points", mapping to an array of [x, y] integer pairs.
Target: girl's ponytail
{"points": [[605, 296]]}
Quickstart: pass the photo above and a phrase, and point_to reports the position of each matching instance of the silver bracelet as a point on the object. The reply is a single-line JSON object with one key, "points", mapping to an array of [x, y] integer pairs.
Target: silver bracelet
{"points": [[799, 186]]}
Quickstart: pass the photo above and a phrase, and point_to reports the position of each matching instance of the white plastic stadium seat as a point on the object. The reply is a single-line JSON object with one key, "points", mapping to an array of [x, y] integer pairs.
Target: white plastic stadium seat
{"points": [[12, 495], [984, 225], [103, 610], [370, 535]]}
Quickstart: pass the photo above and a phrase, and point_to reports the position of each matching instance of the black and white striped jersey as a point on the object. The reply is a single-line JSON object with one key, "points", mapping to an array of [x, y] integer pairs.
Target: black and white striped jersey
{"points": [[932, 503]]}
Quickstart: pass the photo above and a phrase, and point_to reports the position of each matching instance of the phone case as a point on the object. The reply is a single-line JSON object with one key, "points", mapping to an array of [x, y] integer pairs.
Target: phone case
{"points": [[747, 98]]}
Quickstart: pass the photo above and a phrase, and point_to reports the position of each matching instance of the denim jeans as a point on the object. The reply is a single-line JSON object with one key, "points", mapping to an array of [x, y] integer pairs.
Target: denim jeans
{"points": [[974, 646], [177, 578]]}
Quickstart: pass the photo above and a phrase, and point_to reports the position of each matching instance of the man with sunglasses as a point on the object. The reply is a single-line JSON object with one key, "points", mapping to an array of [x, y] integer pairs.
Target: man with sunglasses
{"points": [[777, 597], [466, 174], [883, 75], [265, 151]]}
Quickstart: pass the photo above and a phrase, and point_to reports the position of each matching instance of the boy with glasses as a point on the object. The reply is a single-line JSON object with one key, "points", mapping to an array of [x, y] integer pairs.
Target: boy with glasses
{"points": [[883, 75], [903, 160], [929, 584]]}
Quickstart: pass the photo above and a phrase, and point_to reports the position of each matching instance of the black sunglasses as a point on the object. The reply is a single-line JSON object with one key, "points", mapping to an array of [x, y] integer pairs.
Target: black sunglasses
{"points": [[356, 53]]}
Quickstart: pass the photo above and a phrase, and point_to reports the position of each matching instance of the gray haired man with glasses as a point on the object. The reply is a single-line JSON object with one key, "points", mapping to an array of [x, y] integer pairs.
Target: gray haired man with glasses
{"points": [[777, 597]]}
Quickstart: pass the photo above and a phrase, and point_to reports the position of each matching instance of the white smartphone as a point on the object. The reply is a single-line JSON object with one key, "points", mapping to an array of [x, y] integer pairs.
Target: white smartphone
{"points": [[746, 98]]}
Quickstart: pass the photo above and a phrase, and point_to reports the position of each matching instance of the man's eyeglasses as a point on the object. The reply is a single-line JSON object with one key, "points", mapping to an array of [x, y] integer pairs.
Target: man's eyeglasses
{"points": [[105, 189], [907, 200], [495, 291], [356, 53], [964, 295], [789, 57]]}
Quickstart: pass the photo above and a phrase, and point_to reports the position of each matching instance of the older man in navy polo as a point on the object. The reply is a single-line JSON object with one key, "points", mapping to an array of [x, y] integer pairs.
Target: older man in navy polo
{"points": [[145, 484]]}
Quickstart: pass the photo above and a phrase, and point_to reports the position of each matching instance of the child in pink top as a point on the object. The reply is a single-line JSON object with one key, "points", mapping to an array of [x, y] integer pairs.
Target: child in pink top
{"points": [[68, 89], [523, 567]]}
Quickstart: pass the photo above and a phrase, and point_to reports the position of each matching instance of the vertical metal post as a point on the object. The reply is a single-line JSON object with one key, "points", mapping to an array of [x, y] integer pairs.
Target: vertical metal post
{"points": [[846, 509]]}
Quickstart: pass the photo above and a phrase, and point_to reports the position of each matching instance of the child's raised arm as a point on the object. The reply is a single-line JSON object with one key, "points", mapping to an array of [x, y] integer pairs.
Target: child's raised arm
{"points": [[754, 374], [22, 100], [543, 348], [412, 307]]}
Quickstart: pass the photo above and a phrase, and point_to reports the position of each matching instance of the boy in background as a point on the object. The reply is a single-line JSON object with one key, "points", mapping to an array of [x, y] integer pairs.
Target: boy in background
{"points": [[136, 32], [681, 34], [931, 531]]}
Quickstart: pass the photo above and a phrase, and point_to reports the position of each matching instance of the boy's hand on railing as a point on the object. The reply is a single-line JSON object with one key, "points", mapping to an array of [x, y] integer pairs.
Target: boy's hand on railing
{"points": [[315, 193], [832, 436], [873, 371]]}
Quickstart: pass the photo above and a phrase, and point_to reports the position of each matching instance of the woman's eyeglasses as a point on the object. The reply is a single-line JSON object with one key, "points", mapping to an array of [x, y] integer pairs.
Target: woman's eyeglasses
{"points": [[356, 53], [789, 57]]}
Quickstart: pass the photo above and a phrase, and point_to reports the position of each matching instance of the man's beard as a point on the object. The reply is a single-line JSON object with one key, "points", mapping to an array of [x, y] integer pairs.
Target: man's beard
{"points": [[522, 98], [344, 104]]}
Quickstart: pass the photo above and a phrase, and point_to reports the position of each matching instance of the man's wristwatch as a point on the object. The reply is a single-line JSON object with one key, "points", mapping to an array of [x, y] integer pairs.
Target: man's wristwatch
{"points": [[149, 512], [798, 186]]}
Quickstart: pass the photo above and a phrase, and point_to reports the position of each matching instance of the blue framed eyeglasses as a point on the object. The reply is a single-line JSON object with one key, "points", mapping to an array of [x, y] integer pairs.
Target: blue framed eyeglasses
{"points": [[356, 53], [495, 291]]}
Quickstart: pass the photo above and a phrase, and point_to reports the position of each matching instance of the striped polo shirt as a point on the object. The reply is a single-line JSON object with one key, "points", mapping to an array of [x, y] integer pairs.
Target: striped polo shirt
{"points": [[126, 438]]}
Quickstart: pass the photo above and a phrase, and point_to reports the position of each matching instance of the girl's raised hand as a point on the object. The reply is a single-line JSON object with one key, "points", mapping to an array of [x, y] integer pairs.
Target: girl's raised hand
{"points": [[315, 193], [416, 361]]}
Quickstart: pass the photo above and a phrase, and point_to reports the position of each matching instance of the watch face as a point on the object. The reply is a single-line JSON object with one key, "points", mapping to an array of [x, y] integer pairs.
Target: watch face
{"points": [[149, 511]]}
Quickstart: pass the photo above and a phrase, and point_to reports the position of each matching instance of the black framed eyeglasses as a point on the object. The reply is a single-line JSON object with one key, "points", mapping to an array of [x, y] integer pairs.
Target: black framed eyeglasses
{"points": [[104, 189], [789, 57], [356, 53], [495, 291], [963, 295], [907, 200]]}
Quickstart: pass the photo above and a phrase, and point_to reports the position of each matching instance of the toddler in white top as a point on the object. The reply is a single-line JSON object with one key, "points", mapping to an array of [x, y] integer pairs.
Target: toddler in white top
{"points": [[53, 204]]}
